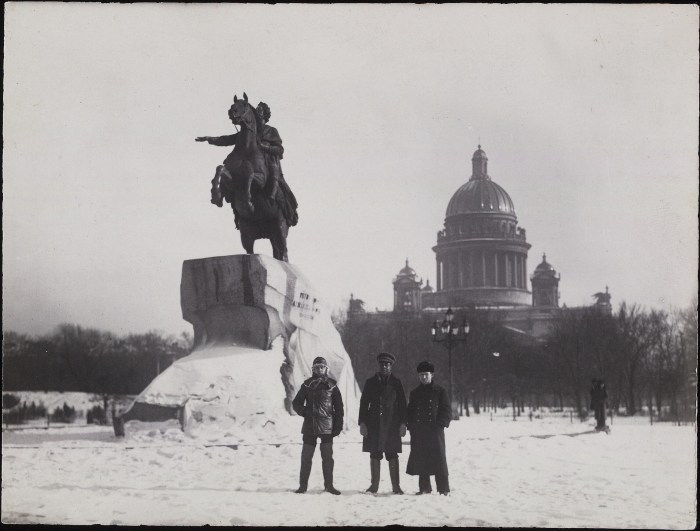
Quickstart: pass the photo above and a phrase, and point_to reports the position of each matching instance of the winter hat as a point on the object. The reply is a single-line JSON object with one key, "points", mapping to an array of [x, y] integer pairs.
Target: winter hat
{"points": [[320, 361], [385, 356], [425, 366]]}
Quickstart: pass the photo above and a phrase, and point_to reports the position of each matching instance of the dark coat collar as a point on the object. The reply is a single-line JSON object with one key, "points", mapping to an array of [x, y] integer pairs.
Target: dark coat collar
{"points": [[388, 379]]}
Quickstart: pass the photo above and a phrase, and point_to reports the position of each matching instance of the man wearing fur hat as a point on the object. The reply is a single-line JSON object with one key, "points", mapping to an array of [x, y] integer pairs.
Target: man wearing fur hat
{"points": [[320, 403], [383, 421], [428, 416]]}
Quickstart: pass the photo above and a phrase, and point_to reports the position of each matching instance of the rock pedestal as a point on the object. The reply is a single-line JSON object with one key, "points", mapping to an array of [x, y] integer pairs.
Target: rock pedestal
{"points": [[240, 305]]}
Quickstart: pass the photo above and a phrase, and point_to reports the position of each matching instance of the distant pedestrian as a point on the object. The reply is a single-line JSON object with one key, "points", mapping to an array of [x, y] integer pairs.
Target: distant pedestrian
{"points": [[428, 415], [383, 421], [591, 391], [599, 396], [320, 403]]}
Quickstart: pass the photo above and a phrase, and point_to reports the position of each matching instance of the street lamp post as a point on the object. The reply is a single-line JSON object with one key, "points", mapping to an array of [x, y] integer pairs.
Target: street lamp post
{"points": [[449, 334]]}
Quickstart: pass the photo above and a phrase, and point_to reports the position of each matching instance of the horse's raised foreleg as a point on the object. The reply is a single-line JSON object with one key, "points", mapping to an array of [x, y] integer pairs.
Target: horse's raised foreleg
{"points": [[248, 196]]}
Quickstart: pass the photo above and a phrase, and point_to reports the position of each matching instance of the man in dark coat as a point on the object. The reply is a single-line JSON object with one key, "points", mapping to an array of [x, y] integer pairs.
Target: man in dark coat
{"points": [[428, 416], [383, 421], [599, 395], [320, 403]]}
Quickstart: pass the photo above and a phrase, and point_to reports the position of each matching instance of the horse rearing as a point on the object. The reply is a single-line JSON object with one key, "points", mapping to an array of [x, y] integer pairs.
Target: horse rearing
{"points": [[242, 180]]}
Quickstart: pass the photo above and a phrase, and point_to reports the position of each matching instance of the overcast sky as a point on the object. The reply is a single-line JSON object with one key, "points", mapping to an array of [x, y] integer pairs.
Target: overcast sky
{"points": [[588, 115]]}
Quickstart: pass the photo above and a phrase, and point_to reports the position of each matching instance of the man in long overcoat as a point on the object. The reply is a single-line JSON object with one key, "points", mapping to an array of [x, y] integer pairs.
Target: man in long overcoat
{"points": [[599, 396], [383, 421], [428, 416], [320, 403]]}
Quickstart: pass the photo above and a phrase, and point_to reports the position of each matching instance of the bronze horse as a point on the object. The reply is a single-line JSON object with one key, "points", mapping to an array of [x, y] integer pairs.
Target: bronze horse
{"points": [[242, 180]]}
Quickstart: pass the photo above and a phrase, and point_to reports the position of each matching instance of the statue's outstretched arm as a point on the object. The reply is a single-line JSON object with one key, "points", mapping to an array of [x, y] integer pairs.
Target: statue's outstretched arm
{"points": [[227, 140]]}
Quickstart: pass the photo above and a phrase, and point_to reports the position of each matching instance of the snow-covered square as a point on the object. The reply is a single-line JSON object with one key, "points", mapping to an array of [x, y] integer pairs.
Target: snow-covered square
{"points": [[544, 472]]}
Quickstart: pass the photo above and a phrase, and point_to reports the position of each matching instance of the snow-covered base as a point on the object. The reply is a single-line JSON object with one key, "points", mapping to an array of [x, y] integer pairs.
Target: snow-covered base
{"points": [[544, 473], [228, 393]]}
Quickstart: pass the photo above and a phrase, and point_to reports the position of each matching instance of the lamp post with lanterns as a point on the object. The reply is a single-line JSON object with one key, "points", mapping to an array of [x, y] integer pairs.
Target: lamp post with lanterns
{"points": [[448, 333]]}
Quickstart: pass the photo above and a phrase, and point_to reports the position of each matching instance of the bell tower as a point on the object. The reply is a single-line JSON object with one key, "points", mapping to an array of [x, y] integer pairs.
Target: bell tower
{"points": [[545, 285], [407, 291]]}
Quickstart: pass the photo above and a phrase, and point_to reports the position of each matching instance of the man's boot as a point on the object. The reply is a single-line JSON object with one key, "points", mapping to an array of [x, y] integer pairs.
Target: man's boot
{"points": [[442, 483], [307, 454], [327, 465], [394, 474], [375, 468], [424, 484]]}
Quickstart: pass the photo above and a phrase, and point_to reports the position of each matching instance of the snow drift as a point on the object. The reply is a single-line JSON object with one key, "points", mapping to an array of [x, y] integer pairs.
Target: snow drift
{"points": [[258, 325]]}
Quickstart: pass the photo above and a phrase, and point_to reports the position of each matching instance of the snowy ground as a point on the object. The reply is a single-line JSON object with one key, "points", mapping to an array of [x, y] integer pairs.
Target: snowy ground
{"points": [[545, 473]]}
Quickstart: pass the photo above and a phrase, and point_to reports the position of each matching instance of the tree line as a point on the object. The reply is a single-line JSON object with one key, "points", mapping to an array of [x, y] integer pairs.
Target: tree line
{"points": [[646, 357], [73, 358]]}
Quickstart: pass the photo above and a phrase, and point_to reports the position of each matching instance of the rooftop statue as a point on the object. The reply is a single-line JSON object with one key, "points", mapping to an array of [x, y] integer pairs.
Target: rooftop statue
{"points": [[251, 180], [602, 298]]}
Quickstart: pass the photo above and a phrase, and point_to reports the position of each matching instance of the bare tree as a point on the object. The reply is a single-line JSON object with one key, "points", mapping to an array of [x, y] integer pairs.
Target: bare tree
{"points": [[637, 337], [570, 355], [687, 360]]}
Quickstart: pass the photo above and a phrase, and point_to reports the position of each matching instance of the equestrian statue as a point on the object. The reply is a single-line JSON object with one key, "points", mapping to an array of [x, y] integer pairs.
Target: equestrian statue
{"points": [[251, 180]]}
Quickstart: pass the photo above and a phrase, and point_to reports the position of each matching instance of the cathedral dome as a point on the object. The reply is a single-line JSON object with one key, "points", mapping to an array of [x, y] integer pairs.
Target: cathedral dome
{"points": [[407, 276], [479, 154], [544, 269], [407, 272], [480, 194]]}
